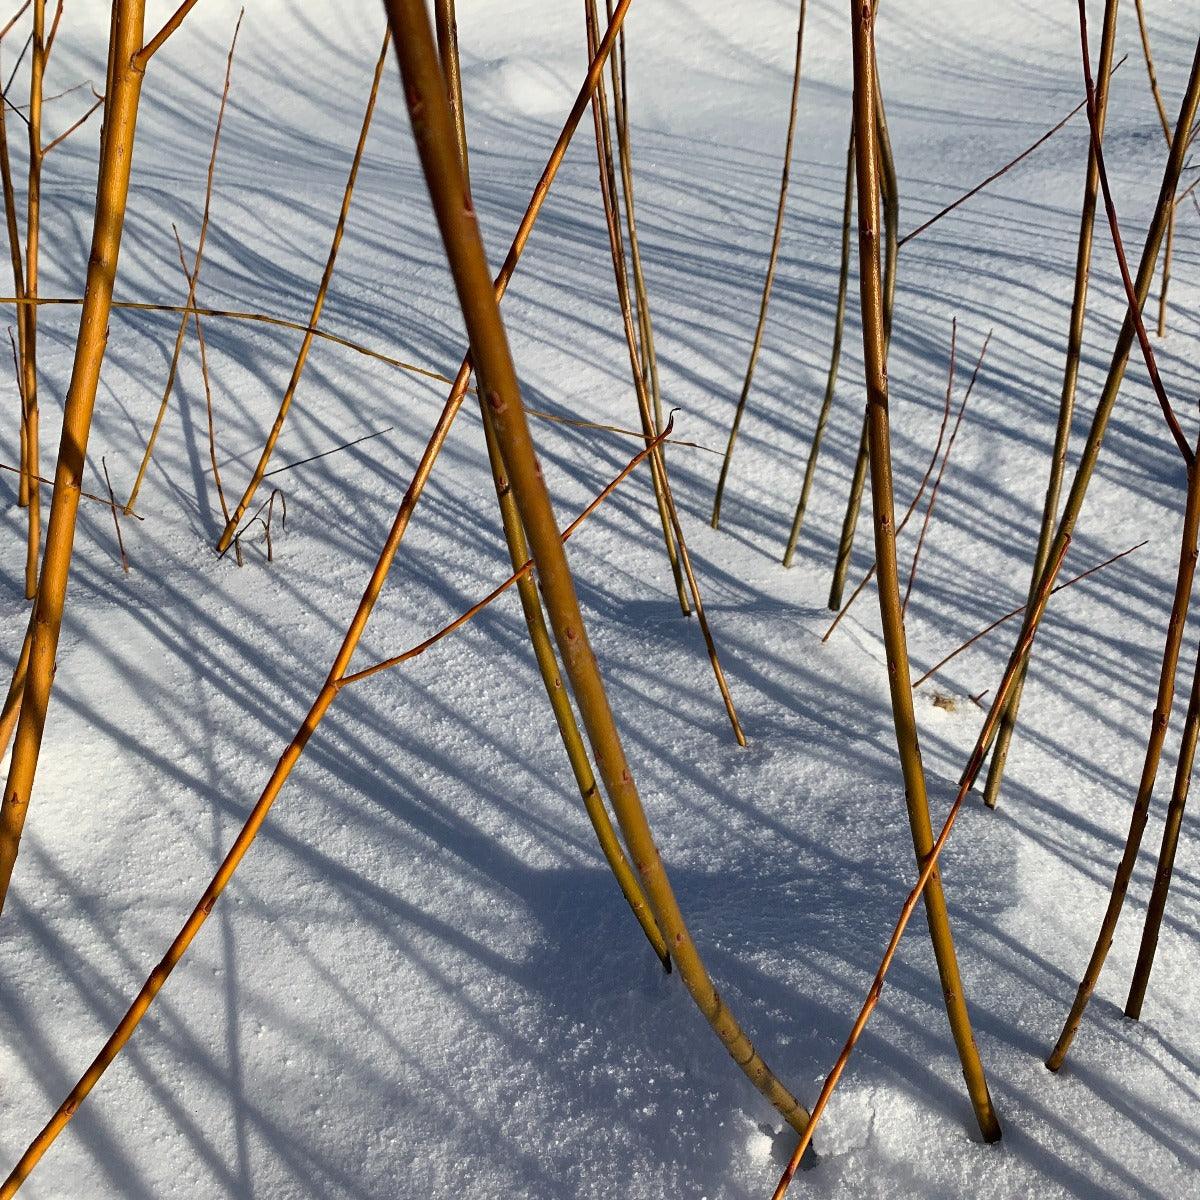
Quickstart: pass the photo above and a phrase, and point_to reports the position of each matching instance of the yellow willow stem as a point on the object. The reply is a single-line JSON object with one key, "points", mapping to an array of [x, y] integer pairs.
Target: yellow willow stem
{"points": [[835, 358], [289, 394], [889, 188], [608, 197], [648, 357], [875, 350], [1120, 356], [433, 130], [924, 879], [112, 193], [672, 525]]}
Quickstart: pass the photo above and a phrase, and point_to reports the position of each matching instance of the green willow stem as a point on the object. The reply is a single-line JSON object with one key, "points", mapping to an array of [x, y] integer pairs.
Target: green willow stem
{"points": [[835, 356], [446, 23], [889, 187], [869, 159], [769, 281], [1066, 402]]}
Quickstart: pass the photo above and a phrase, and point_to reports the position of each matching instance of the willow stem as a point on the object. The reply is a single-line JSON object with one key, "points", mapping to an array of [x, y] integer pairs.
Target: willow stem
{"points": [[924, 880], [1116, 371], [835, 356], [445, 21], [193, 278], [608, 196], [29, 394], [648, 356], [1159, 722], [868, 161], [889, 187], [1166, 854], [112, 192], [289, 394], [433, 130], [657, 463], [769, 281], [1066, 403]]}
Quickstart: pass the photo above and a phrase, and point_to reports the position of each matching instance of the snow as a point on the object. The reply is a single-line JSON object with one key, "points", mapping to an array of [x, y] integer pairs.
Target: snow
{"points": [[422, 981]]}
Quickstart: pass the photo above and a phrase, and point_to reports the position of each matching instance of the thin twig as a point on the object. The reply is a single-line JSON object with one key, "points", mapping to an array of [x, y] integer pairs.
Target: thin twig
{"points": [[937, 483], [908, 237], [112, 503], [912, 506], [1135, 309], [1016, 612]]}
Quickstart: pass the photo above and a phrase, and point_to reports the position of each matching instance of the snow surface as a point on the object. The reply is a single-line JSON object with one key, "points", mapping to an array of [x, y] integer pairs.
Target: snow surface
{"points": [[422, 982]]}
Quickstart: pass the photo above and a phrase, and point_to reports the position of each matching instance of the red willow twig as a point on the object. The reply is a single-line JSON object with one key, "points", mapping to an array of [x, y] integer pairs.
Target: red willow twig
{"points": [[908, 237], [937, 483], [1135, 310], [1016, 612]]}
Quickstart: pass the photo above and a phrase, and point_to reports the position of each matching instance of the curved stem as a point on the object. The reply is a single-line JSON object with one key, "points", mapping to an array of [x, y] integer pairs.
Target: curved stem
{"points": [[433, 130], [518, 550]]}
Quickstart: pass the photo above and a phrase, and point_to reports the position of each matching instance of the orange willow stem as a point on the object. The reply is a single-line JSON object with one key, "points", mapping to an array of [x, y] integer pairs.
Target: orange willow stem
{"points": [[434, 133], [112, 192], [193, 277], [521, 571], [337, 672], [875, 295], [144, 55], [289, 394], [18, 270], [924, 881], [337, 679], [768, 282]]}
